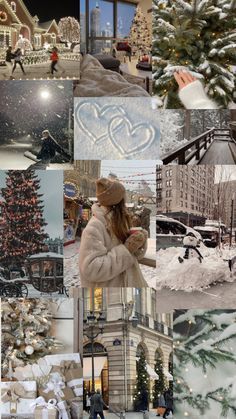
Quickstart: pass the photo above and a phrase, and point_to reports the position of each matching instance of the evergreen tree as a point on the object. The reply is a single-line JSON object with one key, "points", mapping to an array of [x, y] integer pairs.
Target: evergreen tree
{"points": [[160, 384], [25, 338], [140, 34], [142, 382], [22, 211], [199, 36], [205, 363]]}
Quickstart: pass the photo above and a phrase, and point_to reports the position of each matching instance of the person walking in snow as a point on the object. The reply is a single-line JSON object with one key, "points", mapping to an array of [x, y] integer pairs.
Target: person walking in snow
{"points": [[8, 60], [50, 147], [17, 60], [190, 243], [168, 395], [54, 60], [110, 248]]}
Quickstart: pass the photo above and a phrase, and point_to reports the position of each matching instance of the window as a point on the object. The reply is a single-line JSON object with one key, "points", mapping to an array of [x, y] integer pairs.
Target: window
{"points": [[125, 14], [159, 185], [13, 6], [102, 21], [54, 38], [138, 300]]}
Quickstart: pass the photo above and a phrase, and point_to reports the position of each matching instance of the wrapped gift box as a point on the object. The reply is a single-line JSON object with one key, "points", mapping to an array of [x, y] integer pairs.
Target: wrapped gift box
{"points": [[58, 358], [44, 413], [17, 398], [68, 394]]}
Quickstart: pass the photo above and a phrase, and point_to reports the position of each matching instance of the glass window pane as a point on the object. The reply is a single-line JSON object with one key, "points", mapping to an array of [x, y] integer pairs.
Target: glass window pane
{"points": [[101, 18], [82, 26], [125, 15]]}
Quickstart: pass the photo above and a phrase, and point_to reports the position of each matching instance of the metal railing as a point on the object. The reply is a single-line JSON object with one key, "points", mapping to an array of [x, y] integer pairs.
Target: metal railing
{"points": [[191, 150]]}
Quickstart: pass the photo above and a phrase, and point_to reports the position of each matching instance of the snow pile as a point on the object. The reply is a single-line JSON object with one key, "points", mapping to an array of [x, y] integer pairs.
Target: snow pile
{"points": [[191, 275]]}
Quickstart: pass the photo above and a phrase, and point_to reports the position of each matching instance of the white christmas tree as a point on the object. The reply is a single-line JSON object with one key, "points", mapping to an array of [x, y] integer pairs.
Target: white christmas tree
{"points": [[205, 364], [26, 328], [69, 29], [140, 34]]}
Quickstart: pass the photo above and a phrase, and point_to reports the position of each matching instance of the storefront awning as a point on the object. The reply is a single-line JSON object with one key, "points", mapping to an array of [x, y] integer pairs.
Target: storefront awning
{"points": [[168, 375], [153, 375], [99, 362]]}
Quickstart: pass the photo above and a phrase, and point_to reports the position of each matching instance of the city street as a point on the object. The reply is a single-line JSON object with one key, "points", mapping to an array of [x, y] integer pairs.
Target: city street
{"points": [[128, 415], [42, 71]]}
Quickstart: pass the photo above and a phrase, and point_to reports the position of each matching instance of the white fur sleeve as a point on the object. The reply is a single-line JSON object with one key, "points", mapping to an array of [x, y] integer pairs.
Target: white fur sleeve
{"points": [[193, 96], [96, 263]]}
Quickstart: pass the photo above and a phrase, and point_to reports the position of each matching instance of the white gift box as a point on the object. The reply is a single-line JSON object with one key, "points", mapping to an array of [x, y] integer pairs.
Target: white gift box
{"points": [[77, 386], [57, 359], [23, 406]]}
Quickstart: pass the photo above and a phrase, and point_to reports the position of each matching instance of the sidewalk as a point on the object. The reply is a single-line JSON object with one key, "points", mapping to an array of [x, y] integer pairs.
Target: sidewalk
{"points": [[128, 415]]}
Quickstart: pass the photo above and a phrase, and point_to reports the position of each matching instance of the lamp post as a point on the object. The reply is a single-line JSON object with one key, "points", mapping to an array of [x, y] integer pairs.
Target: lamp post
{"points": [[93, 326]]}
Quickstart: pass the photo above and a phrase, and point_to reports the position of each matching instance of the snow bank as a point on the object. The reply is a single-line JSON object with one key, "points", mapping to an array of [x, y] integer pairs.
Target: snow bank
{"points": [[191, 275]]}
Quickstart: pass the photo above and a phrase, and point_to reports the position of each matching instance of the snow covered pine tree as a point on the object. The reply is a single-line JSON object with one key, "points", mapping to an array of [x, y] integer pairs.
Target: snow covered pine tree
{"points": [[198, 36], [205, 364]]}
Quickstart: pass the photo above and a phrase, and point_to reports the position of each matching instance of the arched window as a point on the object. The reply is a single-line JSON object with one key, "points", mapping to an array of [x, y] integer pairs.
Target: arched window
{"points": [[13, 6]]}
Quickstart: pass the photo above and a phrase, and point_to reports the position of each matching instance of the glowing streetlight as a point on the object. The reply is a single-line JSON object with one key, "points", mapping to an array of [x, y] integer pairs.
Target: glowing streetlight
{"points": [[45, 94]]}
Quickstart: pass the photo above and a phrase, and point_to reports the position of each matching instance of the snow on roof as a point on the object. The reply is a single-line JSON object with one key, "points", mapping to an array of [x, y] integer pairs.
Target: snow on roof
{"points": [[206, 228], [46, 255]]}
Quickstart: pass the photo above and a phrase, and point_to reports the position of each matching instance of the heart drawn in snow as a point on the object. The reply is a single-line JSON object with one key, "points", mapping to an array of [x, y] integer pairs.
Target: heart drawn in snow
{"points": [[128, 138], [93, 119]]}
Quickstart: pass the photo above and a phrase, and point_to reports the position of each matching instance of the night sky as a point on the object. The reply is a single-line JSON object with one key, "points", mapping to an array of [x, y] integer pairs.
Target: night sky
{"points": [[28, 107], [53, 9]]}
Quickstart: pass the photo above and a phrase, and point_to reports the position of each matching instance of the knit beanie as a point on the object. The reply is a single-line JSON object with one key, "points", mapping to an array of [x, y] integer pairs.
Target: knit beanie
{"points": [[109, 192]]}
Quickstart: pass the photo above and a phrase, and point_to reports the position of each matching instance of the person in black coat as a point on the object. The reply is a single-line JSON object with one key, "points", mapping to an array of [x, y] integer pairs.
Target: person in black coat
{"points": [[50, 147], [168, 395], [9, 57]]}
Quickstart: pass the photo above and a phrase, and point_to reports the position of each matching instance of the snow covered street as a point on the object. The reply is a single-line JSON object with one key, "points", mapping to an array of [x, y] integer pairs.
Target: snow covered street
{"points": [[41, 71]]}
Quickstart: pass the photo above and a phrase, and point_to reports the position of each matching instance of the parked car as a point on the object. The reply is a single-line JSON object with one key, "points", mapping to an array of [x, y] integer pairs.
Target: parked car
{"points": [[171, 232]]}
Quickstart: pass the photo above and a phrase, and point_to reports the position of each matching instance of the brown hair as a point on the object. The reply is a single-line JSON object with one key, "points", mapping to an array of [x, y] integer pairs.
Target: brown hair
{"points": [[119, 220]]}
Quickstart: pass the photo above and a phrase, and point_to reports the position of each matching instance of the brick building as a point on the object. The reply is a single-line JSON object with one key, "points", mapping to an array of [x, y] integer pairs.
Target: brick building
{"points": [[186, 192], [84, 176], [16, 21], [117, 348]]}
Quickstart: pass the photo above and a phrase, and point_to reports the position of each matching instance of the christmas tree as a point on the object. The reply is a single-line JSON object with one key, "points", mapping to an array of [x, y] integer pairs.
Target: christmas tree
{"points": [[69, 29], [22, 211], [25, 338], [198, 36], [140, 34], [160, 384], [142, 383], [205, 363]]}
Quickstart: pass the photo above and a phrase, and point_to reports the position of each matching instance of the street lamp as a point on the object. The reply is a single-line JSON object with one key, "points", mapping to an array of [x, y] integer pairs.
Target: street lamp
{"points": [[93, 326]]}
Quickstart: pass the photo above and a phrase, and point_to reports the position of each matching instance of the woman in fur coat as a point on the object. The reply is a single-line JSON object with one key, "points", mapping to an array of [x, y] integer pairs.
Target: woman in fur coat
{"points": [[110, 248]]}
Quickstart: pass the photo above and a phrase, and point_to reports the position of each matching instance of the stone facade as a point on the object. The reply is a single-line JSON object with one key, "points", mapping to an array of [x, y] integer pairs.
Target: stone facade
{"points": [[153, 333], [186, 192]]}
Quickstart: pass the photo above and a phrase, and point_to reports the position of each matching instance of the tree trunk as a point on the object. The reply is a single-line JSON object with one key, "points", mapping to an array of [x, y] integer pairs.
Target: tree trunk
{"points": [[187, 125]]}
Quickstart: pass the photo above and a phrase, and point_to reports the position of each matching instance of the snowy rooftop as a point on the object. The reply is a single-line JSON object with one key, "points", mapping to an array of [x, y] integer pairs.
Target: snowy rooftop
{"points": [[45, 255]]}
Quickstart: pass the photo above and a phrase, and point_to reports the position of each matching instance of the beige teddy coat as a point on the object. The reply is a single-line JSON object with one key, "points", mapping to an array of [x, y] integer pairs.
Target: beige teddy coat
{"points": [[103, 260]]}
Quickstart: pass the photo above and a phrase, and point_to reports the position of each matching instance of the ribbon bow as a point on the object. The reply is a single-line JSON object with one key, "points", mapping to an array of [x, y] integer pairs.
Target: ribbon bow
{"points": [[15, 392], [41, 402], [55, 384]]}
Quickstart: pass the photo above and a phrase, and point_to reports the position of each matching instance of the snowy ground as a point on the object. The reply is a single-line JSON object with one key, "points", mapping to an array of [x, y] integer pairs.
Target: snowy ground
{"points": [[128, 415], [13, 158], [40, 71], [194, 284]]}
